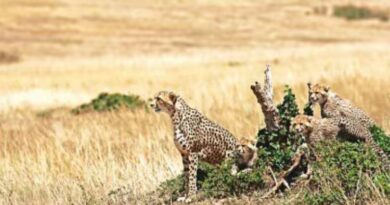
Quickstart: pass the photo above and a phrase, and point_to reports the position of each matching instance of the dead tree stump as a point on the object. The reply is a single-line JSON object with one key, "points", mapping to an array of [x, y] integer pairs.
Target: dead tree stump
{"points": [[265, 99], [272, 121]]}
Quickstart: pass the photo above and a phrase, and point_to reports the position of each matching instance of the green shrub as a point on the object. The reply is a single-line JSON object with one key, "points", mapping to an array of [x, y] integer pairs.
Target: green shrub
{"points": [[220, 183], [308, 110], [343, 172], [171, 189], [317, 198], [215, 181], [381, 139], [382, 180], [277, 147], [351, 12], [110, 102]]}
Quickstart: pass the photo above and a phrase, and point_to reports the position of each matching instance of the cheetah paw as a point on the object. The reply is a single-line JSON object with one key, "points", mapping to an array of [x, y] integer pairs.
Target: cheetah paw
{"points": [[246, 171], [184, 199], [233, 172], [304, 176]]}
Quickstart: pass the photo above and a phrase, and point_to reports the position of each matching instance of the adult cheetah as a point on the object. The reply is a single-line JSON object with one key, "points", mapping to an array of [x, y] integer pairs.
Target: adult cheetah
{"points": [[353, 122], [198, 138]]}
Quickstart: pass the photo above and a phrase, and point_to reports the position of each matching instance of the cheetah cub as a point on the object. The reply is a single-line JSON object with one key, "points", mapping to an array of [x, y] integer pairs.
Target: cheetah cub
{"points": [[314, 129], [198, 138], [353, 122], [245, 156]]}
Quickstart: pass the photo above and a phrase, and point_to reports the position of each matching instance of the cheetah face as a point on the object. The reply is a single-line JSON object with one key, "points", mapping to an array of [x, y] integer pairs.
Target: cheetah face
{"points": [[247, 154], [317, 93], [164, 101], [302, 124]]}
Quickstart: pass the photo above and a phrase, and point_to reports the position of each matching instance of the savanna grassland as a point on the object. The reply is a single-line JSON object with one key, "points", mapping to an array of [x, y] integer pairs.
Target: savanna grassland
{"points": [[55, 55]]}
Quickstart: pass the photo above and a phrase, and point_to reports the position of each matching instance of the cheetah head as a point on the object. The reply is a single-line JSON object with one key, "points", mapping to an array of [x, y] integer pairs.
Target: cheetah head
{"points": [[247, 154], [164, 101], [302, 124], [318, 93]]}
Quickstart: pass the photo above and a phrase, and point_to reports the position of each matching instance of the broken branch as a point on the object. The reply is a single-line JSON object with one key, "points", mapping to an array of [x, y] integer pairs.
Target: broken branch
{"points": [[264, 98]]}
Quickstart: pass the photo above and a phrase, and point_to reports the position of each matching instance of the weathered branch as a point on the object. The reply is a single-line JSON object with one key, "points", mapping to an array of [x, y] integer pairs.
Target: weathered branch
{"points": [[264, 98], [272, 120], [297, 158], [282, 180]]}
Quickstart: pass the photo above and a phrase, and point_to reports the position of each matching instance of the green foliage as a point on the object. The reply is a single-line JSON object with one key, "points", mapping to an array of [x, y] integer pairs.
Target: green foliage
{"points": [[216, 181], [308, 110], [382, 180], [110, 102], [277, 147], [171, 189], [332, 197], [344, 168], [351, 12], [288, 109], [381, 139], [221, 183]]}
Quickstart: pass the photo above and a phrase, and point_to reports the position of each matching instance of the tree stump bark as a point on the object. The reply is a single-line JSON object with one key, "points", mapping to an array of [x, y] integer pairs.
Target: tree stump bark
{"points": [[272, 121], [265, 99]]}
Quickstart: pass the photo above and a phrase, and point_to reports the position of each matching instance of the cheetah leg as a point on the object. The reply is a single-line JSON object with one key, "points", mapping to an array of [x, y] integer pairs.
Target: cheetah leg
{"points": [[186, 163], [231, 155], [193, 157], [355, 129], [234, 170], [192, 165]]}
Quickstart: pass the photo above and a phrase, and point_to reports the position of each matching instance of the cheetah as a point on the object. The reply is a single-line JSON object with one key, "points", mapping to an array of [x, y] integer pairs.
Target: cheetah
{"points": [[353, 122], [245, 156], [315, 129], [198, 138]]}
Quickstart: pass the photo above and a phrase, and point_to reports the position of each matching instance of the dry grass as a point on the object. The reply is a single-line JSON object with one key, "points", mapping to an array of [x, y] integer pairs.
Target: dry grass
{"points": [[207, 52]]}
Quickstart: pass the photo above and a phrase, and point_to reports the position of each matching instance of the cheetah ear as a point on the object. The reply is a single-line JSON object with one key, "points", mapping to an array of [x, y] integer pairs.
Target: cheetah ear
{"points": [[309, 120], [253, 142], [172, 97], [327, 88], [252, 145], [309, 85]]}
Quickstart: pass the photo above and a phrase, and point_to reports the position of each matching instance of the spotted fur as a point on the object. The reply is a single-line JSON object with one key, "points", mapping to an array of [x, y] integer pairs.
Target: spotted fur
{"points": [[246, 154], [198, 138], [353, 122], [315, 129]]}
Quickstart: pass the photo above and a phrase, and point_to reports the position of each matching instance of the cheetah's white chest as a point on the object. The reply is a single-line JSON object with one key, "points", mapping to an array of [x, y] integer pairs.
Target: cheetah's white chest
{"points": [[181, 142]]}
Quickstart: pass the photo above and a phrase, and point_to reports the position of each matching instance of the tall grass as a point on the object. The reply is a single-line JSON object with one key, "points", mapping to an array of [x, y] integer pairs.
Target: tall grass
{"points": [[207, 53], [62, 158]]}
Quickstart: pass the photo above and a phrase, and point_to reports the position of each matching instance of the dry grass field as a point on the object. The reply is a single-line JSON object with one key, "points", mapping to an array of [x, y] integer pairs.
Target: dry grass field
{"points": [[55, 55]]}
